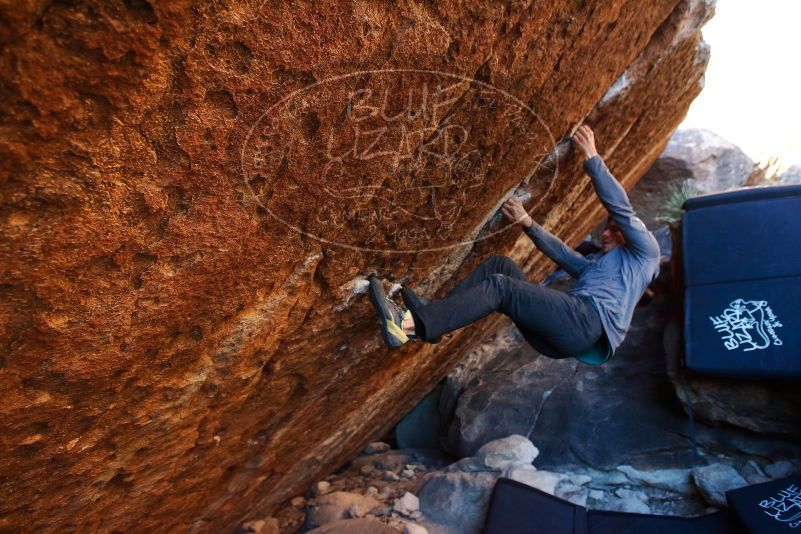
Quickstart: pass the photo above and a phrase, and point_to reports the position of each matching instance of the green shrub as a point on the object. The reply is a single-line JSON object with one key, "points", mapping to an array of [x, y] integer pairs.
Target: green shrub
{"points": [[672, 207]]}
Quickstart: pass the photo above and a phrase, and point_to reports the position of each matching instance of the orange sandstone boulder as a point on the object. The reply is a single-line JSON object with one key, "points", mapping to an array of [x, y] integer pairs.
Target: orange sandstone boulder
{"points": [[193, 193]]}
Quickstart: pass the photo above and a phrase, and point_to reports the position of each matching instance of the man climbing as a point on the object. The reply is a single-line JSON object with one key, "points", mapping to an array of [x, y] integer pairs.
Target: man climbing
{"points": [[587, 322]]}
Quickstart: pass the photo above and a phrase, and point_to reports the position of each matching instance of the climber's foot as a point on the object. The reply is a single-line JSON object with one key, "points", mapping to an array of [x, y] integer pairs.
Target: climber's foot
{"points": [[414, 301], [389, 314]]}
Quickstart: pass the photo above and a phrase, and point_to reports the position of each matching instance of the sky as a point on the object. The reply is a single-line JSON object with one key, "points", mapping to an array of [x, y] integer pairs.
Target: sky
{"points": [[752, 89]]}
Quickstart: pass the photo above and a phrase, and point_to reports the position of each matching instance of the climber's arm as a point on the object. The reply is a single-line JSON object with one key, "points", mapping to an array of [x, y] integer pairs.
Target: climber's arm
{"points": [[564, 256], [613, 197], [639, 240], [553, 247]]}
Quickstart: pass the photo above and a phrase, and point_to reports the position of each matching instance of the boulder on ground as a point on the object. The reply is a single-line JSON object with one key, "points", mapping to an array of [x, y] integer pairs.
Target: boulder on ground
{"points": [[457, 500], [407, 505], [508, 452], [498, 455], [570, 492], [268, 525], [713, 481], [780, 469], [624, 500], [750, 469]]}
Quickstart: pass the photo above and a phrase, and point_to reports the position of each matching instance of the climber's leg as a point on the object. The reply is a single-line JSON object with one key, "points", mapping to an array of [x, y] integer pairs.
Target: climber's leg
{"points": [[566, 322], [495, 264]]}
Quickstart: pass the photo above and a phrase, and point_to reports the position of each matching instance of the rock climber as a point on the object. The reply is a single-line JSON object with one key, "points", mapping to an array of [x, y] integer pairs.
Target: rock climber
{"points": [[587, 322]]}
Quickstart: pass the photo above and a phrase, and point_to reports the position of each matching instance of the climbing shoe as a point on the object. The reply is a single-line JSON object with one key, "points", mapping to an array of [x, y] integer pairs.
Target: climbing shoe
{"points": [[414, 301], [390, 315]]}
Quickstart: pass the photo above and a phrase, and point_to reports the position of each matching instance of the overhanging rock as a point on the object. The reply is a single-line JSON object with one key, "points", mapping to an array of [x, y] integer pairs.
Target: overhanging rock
{"points": [[192, 195]]}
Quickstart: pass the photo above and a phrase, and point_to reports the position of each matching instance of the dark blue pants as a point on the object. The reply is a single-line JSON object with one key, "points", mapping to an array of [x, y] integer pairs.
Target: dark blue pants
{"points": [[557, 324]]}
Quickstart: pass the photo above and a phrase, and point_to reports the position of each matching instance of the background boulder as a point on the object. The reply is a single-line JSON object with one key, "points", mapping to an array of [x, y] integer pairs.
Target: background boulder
{"points": [[765, 406], [792, 175], [695, 161]]}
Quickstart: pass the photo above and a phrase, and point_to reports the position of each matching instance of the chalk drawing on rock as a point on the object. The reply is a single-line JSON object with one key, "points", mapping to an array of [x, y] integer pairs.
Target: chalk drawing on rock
{"points": [[403, 164]]}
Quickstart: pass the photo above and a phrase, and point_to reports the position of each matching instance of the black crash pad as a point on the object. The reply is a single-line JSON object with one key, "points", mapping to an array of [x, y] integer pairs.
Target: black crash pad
{"points": [[770, 507], [516, 508]]}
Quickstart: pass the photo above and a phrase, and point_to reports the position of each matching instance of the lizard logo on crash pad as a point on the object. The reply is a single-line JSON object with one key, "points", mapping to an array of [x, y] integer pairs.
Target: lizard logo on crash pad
{"points": [[747, 325]]}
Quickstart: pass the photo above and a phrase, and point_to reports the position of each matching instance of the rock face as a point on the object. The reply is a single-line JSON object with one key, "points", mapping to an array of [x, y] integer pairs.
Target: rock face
{"points": [[192, 196]]}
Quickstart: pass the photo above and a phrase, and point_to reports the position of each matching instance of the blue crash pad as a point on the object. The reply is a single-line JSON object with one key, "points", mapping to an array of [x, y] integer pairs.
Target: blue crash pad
{"points": [[741, 257], [742, 235], [744, 328]]}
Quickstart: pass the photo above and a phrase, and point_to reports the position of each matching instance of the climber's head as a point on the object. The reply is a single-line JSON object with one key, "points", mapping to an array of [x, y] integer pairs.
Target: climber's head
{"points": [[612, 236]]}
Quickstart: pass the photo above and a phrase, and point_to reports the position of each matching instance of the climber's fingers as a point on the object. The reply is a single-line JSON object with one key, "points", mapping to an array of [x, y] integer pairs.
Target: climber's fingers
{"points": [[584, 139], [584, 132], [513, 206], [513, 210], [507, 212]]}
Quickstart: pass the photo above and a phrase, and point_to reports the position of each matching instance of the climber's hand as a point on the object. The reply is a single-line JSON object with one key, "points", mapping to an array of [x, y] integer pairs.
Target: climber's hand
{"points": [[584, 141], [514, 211]]}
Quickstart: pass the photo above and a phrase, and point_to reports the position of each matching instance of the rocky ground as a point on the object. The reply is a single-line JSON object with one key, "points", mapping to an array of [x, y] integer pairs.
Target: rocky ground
{"points": [[381, 484], [626, 445], [416, 491]]}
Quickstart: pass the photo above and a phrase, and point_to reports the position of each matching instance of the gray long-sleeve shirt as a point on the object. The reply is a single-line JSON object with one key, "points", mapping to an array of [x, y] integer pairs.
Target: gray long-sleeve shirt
{"points": [[616, 280]]}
